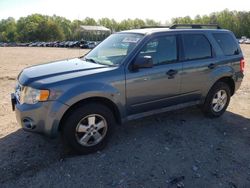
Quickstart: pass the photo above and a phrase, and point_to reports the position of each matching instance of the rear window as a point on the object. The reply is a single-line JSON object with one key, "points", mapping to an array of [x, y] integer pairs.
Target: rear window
{"points": [[196, 46], [227, 43]]}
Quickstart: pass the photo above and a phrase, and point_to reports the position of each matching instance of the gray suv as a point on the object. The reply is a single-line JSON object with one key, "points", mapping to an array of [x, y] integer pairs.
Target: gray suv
{"points": [[130, 75]]}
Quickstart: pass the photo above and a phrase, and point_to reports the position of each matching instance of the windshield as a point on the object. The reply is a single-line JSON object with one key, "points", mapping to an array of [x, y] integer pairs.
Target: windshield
{"points": [[113, 50]]}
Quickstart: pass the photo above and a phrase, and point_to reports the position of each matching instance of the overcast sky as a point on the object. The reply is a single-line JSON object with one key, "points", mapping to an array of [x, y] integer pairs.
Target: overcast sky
{"points": [[159, 10]]}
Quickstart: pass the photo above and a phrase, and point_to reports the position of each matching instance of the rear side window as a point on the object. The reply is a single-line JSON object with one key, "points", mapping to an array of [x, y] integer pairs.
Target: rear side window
{"points": [[196, 46], [227, 43]]}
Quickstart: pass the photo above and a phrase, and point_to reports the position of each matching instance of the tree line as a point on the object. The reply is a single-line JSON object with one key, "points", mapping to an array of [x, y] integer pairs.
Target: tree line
{"points": [[236, 21], [37, 27]]}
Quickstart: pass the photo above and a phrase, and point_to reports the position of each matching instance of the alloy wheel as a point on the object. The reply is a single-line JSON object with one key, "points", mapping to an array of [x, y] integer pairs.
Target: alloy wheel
{"points": [[91, 130], [219, 100]]}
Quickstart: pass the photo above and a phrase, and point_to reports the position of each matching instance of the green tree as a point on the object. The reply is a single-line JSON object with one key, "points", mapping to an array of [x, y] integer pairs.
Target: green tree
{"points": [[28, 27], [109, 23], [150, 22], [138, 23], [125, 25], [37, 27], [8, 30], [64, 26], [198, 19], [236, 21], [89, 21], [182, 20]]}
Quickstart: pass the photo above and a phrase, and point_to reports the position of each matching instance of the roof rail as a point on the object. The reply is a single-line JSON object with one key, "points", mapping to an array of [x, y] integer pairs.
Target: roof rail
{"points": [[195, 26], [156, 26]]}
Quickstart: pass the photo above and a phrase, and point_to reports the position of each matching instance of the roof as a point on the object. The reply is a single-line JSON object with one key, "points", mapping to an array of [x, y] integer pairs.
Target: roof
{"points": [[157, 30], [176, 27], [146, 30], [94, 28]]}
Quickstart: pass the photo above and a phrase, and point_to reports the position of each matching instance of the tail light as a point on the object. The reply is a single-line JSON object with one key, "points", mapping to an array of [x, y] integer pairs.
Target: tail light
{"points": [[242, 65]]}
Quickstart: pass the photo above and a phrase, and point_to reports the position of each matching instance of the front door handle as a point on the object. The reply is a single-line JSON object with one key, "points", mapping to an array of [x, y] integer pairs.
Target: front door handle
{"points": [[211, 66], [171, 73]]}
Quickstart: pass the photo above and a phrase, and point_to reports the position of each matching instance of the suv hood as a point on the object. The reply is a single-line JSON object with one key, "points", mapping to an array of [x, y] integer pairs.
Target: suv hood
{"points": [[59, 69]]}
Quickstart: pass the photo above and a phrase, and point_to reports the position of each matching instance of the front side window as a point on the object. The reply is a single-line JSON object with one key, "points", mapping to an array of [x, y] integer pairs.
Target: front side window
{"points": [[163, 50], [113, 50], [196, 46]]}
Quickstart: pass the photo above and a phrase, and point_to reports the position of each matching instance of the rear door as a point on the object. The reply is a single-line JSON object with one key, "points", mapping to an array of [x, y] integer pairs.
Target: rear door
{"points": [[198, 62], [159, 86]]}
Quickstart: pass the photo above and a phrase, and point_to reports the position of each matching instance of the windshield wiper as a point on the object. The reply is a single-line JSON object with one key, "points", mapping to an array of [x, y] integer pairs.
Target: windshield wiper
{"points": [[96, 62], [91, 60]]}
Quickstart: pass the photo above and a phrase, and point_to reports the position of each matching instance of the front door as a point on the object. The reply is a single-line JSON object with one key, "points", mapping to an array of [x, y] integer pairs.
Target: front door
{"points": [[152, 88]]}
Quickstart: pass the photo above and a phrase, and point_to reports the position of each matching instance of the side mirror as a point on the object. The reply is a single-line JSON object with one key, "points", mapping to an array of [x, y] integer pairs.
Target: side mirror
{"points": [[142, 62]]}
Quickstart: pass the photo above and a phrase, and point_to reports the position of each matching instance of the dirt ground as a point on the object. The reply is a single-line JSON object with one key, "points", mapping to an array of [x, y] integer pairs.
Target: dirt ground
{"points": [[174, 149]]}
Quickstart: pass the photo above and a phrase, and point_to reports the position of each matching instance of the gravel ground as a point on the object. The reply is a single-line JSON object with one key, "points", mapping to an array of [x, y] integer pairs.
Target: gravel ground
{"points": [[174, 149]]}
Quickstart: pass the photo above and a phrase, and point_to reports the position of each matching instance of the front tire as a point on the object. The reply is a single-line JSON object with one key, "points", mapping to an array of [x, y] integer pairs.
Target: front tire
{"points": [[87, 128], [217, 100]]}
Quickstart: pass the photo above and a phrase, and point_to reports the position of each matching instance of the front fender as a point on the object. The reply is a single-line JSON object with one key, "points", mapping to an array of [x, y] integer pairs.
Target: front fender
{"points": [[87, 90], [95, 89]]}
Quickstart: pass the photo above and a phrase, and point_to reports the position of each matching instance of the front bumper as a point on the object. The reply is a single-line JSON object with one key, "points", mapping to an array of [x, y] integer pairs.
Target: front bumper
{"points": [[42, 117]]}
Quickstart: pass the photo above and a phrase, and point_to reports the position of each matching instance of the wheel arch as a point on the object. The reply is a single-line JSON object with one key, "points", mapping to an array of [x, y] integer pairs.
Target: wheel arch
{"points": [[229, 81], [100, 100]]}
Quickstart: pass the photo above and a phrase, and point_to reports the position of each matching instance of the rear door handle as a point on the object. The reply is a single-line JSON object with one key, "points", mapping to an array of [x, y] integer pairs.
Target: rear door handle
{"points": [[211, 66], [171, 73]]}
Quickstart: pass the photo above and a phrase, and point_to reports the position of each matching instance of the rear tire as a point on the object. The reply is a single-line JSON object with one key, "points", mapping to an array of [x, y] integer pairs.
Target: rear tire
{"points": [[87, 128], [217, 100]]}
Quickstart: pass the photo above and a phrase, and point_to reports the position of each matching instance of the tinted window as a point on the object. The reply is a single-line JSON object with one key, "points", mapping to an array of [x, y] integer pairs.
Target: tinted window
{"points": [[162, 49], [227, 43], [150, 47], [196, 46]]}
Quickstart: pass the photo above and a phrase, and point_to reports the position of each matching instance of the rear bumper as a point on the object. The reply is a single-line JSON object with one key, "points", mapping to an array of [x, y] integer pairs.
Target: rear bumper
{"points": [[43, 117]]}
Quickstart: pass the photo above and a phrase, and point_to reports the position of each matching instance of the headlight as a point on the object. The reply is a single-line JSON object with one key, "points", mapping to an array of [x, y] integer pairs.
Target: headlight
{"points": [[32, 96]]}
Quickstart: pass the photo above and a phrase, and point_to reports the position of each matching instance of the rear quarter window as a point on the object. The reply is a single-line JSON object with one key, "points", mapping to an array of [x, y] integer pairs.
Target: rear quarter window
{"points": [[227, 43]]}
